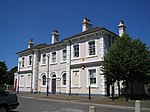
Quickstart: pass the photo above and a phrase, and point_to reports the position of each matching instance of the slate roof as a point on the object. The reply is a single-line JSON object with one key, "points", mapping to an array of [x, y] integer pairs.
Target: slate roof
{"points": [[92, 30], [39, 46]]}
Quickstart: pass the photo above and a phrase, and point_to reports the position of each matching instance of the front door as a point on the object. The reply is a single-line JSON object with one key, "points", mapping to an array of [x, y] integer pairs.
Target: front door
{"points": [[53, 86], [15, 86]]}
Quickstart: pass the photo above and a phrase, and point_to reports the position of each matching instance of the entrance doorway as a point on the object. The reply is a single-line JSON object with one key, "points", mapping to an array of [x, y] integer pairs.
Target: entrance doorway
{"points": [[54, 84]]}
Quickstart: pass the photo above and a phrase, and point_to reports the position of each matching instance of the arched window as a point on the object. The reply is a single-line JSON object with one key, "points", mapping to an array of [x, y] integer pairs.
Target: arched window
{"points": [[44, 80], [64, 79]]}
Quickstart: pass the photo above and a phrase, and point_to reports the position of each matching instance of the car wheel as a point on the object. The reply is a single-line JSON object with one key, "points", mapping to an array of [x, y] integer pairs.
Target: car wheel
{"points": [[3, 109]]}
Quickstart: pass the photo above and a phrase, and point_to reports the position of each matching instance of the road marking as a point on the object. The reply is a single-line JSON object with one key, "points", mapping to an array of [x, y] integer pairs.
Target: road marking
{"points": [[94, 104]]}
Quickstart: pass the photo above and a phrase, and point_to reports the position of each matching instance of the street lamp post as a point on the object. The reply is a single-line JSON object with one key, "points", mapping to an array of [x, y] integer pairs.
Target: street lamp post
{"points": [[18, 77], [32, 71], [47, 92], [89, 92]]}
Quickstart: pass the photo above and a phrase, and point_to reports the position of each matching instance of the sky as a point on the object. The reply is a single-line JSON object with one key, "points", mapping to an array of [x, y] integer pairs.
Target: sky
{"points": [[21, 20]]}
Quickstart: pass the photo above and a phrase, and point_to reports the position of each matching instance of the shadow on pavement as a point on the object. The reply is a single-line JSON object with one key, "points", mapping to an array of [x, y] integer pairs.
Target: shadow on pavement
{"points": [[14, 111]]}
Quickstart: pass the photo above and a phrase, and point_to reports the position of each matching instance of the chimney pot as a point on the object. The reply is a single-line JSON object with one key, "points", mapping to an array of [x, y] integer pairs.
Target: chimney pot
{"points": [[55, 36], [86, 24], [122, 28], [30, 44]]}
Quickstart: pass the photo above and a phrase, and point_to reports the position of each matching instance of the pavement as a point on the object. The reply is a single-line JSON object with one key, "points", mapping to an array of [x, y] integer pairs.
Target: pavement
{"points": [[97, 100]]}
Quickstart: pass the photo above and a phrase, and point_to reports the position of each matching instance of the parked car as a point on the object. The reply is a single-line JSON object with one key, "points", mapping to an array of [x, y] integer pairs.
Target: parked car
{"points": [[8, 101]]}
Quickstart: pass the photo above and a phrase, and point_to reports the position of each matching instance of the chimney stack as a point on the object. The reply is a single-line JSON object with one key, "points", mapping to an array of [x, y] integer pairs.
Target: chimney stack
{"points": [[122, 28], [55, 37], [30, 44], [86, 24]]}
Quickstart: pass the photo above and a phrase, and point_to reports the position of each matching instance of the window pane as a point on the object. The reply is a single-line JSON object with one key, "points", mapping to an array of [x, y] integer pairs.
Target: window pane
{"points": [[92, 80], [92, 76], [44, 80], [92, 48], [64, 79], [53, 57], [44, 59], [76, 50], [64, 55], [30, 60], [23, 62]]}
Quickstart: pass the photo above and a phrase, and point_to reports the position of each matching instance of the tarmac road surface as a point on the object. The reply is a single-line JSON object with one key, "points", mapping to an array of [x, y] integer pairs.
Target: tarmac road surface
{"points": [[47, 105]]}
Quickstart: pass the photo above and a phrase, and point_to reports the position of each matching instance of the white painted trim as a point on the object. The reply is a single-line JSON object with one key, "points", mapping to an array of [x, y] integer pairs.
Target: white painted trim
{"points": [[28, 82], [22, 80], [86, 62], [53, 63], [61, 57], [62, 79], [79, 83], [72, 51], [88, 81], [28, 61], [42, 79], [87, 47], [42, 59]]}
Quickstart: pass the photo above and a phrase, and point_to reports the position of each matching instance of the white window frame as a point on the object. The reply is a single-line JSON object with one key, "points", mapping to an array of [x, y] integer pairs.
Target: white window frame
{"points": [[28, 80], [43, 61], [23, 62], [63, 79], [62, 56], [51, 59], [42, 80], [22, 81], [79, 83], [88, 77], [87, 48], [91, 48], [72, 51], [30, 60]]}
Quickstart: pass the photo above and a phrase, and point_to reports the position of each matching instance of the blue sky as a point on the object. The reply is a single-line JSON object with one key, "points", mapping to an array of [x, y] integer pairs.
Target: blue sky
{"points": [[21, 20]]}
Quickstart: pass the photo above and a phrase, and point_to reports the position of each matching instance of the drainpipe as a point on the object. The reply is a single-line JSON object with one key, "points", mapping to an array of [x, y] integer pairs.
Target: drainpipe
{"points": [[47, 91], [70, 69], [18, 77]]}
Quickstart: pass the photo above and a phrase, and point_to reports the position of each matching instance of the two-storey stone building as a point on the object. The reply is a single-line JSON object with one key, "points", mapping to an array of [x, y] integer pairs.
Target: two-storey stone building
{"points": [[68, 66]]}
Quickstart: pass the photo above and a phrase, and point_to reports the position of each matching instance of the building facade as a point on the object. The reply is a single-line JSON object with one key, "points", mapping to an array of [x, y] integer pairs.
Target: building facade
{"points": [[68, 66]]}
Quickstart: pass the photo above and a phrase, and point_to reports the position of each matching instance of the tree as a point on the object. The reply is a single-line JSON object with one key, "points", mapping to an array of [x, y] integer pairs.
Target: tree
{"points": [[3, 71], [10, 76], [127, 60]]}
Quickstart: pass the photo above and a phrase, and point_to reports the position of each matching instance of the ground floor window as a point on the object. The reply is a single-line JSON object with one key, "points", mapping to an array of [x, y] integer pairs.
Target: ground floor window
{"points": [[44, 80], [64, 79], [21, 81], [75, 78], [92, 76]]}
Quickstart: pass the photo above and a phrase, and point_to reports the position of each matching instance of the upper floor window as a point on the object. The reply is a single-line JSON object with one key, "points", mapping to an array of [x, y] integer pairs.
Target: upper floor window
{"points": [[44, 80], [23, 61], [64, 55], [92, 76], [53, 57], [64, 79], [91, 48], [30, 60], [76, 50], [44, 59]]}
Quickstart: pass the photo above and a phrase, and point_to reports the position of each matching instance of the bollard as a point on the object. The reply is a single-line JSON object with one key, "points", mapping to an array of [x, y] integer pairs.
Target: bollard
{"points": [[137, 106], [92, 109]]}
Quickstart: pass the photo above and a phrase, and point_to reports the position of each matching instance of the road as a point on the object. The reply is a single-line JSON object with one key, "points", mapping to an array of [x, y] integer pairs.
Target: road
{"points": [[45, 105]]}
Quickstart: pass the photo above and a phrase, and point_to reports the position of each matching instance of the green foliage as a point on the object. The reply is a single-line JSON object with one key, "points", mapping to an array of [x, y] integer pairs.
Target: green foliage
{"points": [[127, 60], [10, 76], [6, 77], [3, 71]]}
